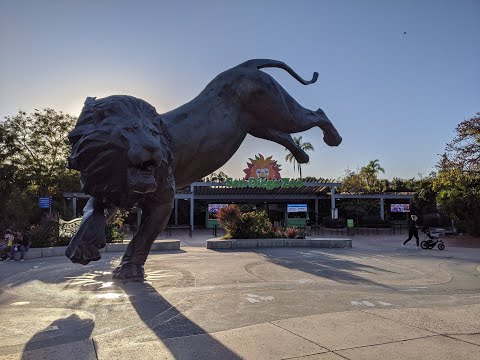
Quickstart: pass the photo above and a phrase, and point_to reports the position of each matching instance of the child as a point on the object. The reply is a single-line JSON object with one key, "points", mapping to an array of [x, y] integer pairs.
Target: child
{"points": [[7, 245]]}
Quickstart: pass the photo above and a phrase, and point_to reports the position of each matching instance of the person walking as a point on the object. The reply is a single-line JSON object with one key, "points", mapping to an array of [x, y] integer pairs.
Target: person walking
{"points": [[412, 230]]}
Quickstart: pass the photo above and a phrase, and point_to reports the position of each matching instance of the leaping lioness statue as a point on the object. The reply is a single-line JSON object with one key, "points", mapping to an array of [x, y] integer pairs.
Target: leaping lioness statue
{"points": [[130, 156]]}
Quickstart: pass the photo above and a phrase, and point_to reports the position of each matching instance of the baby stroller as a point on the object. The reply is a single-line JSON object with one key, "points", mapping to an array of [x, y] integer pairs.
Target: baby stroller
{"points": [[431, 240]]}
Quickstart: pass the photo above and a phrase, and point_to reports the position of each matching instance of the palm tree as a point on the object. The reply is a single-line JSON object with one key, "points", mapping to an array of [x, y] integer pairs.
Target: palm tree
{"points": [[306, 146], [371, 171]]}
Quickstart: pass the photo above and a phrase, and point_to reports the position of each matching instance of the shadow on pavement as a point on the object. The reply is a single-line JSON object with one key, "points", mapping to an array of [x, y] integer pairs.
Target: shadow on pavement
{"points": [[61, 331], [326, 265], [168, 322]]}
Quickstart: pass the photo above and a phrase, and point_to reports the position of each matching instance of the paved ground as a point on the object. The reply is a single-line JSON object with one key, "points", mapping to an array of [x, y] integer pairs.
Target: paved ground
{"points": [[374, 301]]}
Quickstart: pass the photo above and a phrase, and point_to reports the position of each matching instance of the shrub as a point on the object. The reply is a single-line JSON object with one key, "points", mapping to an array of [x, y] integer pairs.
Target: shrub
{"points": [[228, 217], [301, 234], [45, 234], [332, 223], [115, 230], [244, 208], [277, 232], [252, 225], [291, 232]]}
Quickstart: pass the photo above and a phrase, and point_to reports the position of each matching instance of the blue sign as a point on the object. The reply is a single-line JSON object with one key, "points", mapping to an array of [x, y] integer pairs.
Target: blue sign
{"points": [[45, 202], [296, 208]]}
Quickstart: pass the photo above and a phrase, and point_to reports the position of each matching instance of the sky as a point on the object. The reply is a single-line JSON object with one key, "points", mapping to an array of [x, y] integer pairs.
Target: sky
{"points": [[396, 77]]}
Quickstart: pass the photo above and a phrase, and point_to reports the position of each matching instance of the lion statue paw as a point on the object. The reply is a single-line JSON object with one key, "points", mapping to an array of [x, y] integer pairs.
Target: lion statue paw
{"points": [[83, 253], [129, 271]]}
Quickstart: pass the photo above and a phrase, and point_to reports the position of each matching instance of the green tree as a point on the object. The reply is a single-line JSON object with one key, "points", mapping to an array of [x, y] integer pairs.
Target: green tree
{"points": [[370, 173], [352, 182], [214, 177], [402, 185], [425, 198], [458, 181], [7, 143], [305, 146], [36, 145], [318, 179], [33, 153], [464, 150]]}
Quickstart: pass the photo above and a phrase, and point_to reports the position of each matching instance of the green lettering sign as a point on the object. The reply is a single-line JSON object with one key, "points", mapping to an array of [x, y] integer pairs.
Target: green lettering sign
{"points": [[263, 183]]}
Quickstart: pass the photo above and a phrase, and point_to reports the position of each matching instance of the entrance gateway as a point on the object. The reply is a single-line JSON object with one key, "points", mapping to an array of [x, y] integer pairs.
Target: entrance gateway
{"points": [[288, 202], [283, 199]]}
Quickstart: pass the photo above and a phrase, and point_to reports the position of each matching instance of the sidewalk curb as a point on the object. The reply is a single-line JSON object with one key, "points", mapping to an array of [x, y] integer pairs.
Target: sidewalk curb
{"points": [[159, 245]]}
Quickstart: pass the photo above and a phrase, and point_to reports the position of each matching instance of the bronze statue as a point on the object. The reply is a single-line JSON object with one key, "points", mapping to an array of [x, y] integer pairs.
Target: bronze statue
{"points": [[130, 156]]}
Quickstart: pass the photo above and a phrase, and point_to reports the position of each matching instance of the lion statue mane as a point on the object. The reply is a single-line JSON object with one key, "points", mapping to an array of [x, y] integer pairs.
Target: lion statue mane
{"points": [[121, 149]]}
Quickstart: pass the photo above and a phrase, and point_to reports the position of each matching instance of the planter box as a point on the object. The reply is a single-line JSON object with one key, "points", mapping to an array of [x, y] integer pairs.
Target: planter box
{"points": [[264, 243], [219, 244]]}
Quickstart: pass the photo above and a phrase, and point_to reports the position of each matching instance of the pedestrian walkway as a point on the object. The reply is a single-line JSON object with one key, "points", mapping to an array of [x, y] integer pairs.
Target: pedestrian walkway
{"points": [[376, 300]]}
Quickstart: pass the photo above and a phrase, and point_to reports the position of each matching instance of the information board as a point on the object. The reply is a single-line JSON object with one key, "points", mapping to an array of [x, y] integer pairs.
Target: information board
{"points": [[45, 202], [291, 208]]}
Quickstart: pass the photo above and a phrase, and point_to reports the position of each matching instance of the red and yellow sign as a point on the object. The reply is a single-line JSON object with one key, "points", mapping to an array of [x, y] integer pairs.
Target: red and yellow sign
{"points": [[262, 168]]}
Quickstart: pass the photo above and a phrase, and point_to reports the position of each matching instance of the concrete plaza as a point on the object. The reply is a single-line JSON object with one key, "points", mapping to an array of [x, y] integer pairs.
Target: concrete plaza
{"points": [[377, 300]]}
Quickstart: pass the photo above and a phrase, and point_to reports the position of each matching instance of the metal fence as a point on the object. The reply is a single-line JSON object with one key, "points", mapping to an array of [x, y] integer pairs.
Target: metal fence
{"points": [[346, 231]]}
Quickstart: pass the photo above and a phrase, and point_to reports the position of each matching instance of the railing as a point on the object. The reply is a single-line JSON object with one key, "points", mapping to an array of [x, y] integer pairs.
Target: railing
{"points": [[323, 231], [170, 227], [68, 228]]}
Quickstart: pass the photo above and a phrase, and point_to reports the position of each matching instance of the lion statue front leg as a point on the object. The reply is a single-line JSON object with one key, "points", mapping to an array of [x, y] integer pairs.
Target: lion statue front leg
{"points": [[90, 237]]}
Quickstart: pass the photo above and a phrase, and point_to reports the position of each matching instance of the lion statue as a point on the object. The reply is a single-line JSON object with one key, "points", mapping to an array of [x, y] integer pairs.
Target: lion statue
{"points": [[130, 156]]}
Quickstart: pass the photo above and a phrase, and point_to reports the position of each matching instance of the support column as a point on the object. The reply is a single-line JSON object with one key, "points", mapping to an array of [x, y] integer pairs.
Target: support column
{"points": [[191, 206], [332, 200], [382, 209], [176, 211], [316, 211], [74, 205]]}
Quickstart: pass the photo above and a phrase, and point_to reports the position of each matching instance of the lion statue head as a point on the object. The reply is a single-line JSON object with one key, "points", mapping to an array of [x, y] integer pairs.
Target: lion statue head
{"points": [[120, 147]]}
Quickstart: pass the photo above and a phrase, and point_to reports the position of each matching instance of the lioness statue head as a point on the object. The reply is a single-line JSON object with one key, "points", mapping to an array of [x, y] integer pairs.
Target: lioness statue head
{"points": [[119, 146]]}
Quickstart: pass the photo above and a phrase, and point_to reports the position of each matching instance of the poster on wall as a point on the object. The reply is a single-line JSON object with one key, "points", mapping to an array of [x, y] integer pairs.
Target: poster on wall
{"points": [[213, 210], [399, 208]]}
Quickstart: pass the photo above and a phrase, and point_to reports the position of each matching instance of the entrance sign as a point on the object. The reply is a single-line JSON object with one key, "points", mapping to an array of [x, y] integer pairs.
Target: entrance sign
{"points": [[263, 172], [261, 183]]}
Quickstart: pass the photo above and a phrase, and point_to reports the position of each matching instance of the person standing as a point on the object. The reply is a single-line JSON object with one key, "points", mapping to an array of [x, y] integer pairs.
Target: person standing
{"points": [[412, 230]]}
